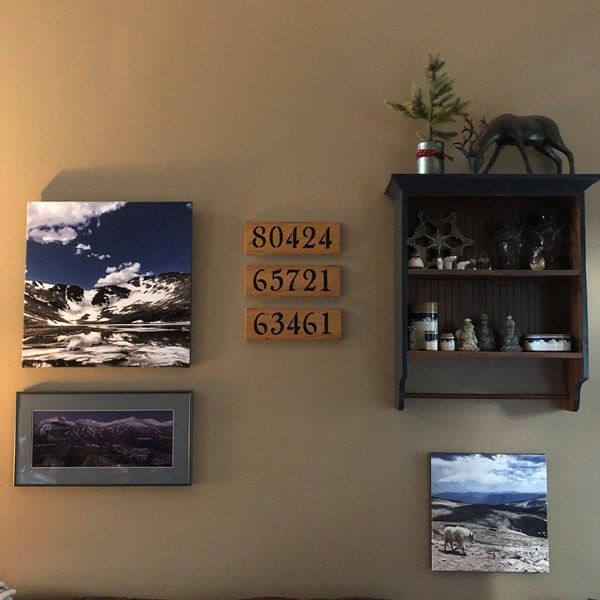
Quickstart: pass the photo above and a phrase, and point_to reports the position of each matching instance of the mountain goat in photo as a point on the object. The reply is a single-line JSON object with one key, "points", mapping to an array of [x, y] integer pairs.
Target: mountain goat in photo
{"points": [[5, 593], [457, 536]]}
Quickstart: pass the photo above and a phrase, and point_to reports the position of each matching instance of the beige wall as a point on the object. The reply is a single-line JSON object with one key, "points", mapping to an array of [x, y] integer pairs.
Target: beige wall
{"points": [[307, 481]]}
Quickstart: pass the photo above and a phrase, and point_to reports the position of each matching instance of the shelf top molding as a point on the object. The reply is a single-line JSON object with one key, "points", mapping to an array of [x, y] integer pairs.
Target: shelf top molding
{"points": [[525, 184]]}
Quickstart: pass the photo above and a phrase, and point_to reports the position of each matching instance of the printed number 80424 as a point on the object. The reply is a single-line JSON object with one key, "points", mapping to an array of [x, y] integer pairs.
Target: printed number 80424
{"points": [[291, 238]]}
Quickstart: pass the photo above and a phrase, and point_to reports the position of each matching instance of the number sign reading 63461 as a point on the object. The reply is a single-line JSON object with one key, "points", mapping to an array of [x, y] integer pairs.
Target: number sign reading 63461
{"points": [[292, 280], [278, 237], [293, 323]]}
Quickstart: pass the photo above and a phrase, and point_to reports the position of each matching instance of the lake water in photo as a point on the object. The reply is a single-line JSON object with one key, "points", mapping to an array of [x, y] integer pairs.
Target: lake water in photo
{"points": [[158, 345]]}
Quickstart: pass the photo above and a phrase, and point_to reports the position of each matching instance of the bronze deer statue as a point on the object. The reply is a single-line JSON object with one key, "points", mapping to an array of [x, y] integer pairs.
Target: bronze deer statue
{"points": [[509, 130]]}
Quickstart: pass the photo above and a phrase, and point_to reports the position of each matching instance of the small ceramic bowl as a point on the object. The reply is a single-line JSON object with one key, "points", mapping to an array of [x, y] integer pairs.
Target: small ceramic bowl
{"points": [[547, 342]]}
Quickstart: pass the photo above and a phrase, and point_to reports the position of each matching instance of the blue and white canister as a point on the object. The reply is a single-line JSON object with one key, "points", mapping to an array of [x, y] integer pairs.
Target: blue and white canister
{"points": [[424, 317], [547, 342]]}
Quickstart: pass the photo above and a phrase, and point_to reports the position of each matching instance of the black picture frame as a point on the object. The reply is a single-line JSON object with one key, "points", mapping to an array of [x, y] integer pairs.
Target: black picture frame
{"points": [[71, 438]]}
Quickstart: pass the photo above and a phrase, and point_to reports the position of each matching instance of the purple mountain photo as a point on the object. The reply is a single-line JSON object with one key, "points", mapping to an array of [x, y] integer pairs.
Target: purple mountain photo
{"points": [[102, 439]]}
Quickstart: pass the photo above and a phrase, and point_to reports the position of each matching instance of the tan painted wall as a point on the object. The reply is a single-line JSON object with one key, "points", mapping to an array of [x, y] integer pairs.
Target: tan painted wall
{"points": [[307, 481]]}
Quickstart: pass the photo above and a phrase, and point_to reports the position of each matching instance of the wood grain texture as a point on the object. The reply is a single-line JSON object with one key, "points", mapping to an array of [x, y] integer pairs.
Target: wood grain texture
{"points": [[291, 237], [301, 324], [292, 280]]}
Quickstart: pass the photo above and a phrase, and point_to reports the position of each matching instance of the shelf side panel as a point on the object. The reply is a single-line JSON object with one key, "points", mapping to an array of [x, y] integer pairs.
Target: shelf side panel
{"points": [[401, 298]]}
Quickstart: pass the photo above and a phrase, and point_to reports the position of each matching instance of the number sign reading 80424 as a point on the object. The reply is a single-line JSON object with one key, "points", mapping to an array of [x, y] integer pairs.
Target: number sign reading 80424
{"points": [[292, 280], [282, 237], [293, 324]]}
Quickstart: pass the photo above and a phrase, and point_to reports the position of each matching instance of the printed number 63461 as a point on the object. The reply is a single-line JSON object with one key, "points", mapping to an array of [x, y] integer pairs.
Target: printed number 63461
{"points": [[293, 323]]}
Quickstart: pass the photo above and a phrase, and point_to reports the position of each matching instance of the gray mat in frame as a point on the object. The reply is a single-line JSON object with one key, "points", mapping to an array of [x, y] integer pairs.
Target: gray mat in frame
{"points": [[131, 438]]}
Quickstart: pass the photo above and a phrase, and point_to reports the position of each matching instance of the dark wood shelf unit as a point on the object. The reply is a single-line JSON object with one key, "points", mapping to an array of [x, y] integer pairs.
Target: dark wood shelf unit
{"points": [[553, 301]]}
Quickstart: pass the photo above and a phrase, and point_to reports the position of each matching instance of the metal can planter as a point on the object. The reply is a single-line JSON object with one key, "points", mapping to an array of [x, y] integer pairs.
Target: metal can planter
{"points": [[430, 158]]}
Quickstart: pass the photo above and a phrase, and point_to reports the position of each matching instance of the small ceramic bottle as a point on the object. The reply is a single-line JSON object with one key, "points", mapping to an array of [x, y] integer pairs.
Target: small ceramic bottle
{"points": [[447, 342], [431, 340]]}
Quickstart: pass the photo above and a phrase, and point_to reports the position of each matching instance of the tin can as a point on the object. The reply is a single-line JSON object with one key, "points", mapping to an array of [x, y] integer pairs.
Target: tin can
{"points": [[430, 158]]}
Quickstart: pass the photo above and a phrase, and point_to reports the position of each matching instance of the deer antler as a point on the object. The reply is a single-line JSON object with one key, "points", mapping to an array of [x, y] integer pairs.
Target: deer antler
{"points": [[469, 135]]}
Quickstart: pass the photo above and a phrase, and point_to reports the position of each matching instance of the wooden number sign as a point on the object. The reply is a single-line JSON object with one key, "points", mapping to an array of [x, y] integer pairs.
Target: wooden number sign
{"points": [[292, 280], [265, 237], [293, 323]]}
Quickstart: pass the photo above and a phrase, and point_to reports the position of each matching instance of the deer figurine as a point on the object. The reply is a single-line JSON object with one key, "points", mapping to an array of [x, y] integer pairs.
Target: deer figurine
{"points": [[509, 130]]}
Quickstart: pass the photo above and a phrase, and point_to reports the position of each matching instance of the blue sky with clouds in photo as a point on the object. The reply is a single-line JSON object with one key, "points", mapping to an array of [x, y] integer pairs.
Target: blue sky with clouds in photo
{"points": [[102, 243], [451, 472]]}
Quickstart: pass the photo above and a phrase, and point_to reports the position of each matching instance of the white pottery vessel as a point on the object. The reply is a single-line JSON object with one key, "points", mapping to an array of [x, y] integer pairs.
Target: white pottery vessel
{"points": [[416, 262], [547, 342]]}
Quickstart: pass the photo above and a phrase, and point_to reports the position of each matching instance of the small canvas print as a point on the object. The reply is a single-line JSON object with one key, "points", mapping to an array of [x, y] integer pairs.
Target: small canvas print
{"points": [[489, 513], [108, 283], [115, 438]]}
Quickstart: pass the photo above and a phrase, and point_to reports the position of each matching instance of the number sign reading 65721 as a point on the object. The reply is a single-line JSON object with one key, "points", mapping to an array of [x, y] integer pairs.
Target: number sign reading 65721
{"points": [[278, 237], [292, 280], [293, 324]]}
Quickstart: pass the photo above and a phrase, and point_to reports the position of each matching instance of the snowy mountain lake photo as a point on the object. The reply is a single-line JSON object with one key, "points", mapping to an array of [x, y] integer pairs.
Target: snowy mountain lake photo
{"points": [[108, 283], [489, 513], [126, 438]]}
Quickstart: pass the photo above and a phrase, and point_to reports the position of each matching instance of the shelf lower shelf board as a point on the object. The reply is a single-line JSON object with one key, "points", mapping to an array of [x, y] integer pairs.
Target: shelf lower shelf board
{"points": [[439, 395], [487, 274], [441, 355]]}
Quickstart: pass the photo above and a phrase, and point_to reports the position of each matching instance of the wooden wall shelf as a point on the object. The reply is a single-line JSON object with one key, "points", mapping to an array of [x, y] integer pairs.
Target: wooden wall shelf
{"points": [[540, 301]]}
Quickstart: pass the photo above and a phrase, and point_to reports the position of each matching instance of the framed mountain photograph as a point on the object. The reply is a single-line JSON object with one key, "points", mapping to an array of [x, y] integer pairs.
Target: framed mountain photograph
{"points": [[103, 439], [108, 283], [489, 513]]}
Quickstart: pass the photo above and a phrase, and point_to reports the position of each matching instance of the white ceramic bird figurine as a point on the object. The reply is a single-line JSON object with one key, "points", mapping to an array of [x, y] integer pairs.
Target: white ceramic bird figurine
{"points": [[448, 262]]}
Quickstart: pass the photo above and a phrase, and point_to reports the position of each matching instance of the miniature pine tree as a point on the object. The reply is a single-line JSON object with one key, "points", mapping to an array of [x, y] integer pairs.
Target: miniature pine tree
{"points": [[441, 108]]}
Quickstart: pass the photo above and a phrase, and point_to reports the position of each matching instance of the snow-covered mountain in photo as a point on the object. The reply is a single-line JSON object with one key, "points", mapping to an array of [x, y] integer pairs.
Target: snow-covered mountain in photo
{"points": [[164, 298], [90, 429], [60, 440], [142, 322]]}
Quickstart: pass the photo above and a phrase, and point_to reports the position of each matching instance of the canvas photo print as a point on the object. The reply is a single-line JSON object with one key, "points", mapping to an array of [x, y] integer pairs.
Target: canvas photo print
{"points": [[108, 283], [489, 513], [121, 438]]}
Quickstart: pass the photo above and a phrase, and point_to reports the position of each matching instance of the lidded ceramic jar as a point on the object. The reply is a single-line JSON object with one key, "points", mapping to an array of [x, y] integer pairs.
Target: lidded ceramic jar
{"points": [[447, 342]]}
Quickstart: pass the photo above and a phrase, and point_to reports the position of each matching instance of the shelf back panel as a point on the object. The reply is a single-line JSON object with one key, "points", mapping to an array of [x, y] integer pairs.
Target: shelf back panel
{"points": [[477, 217], [537, 305]]}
